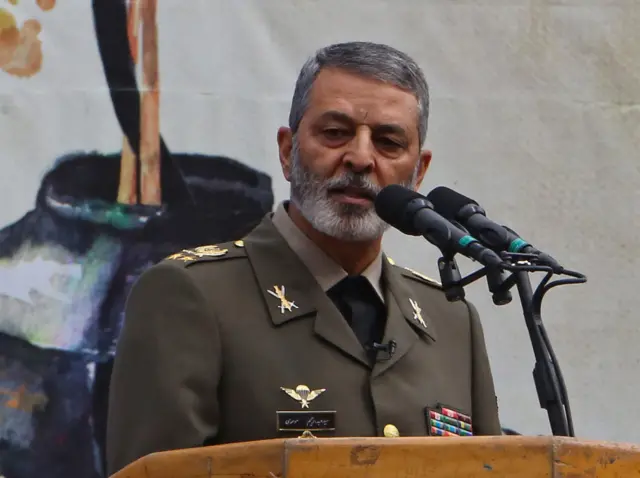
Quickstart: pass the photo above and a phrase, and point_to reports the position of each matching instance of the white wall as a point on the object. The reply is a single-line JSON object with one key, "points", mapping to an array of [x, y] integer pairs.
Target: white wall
{"points": [[535, 113]]}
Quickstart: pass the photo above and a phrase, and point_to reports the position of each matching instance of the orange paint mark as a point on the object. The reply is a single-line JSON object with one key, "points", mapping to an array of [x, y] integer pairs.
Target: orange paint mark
{"points": [[142, 31], [27, 55], [9, 36], [133, 28], [13, 2], [127, 187], [46, 5], [150, 149], [21, 399], [127, 191], [150, 109], [7, 20], [20, 49]]}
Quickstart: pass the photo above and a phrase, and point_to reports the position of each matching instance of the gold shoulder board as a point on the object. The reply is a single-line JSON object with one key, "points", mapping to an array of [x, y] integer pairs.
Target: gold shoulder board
{"points": [[424, 277], [208, 253]]}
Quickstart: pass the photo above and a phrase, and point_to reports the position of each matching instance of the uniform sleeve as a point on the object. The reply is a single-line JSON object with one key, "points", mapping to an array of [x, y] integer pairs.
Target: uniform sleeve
{"points": [[485, 405], [166, 370]]}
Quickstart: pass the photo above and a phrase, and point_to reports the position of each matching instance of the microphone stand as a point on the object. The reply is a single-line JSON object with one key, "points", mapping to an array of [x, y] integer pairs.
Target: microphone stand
{"points": [[547, 376], [550, 395], [450, 277]]}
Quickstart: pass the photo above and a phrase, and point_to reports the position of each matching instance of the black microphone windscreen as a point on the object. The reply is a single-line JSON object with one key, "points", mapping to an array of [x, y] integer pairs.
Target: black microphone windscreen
{"points": [[447, 202], [391, 205]]}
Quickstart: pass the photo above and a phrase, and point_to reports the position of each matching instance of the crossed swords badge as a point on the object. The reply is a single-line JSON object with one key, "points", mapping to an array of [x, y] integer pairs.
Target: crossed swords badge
{"points": [[285, 304], [417, 313]]}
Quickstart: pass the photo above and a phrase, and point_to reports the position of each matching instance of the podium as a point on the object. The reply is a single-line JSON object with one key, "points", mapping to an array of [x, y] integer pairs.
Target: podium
{"points": [[433, 457]]}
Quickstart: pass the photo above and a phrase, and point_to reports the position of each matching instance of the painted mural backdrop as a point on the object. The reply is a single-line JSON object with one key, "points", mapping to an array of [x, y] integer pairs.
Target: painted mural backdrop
{"points": [[131, 129], [98, 220]]}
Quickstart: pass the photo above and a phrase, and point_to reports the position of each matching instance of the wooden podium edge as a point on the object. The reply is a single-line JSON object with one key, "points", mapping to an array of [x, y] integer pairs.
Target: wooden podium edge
{"points": [[444, 457], [574, 458]]}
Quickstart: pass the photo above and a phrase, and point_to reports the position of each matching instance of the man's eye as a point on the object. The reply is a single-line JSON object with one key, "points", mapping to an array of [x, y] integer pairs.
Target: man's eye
{"points": [[389, 143], [334, 132]]}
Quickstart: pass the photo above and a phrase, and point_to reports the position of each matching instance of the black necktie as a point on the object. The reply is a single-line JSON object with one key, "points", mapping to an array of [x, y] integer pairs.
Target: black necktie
{"points": [[361, 306]]}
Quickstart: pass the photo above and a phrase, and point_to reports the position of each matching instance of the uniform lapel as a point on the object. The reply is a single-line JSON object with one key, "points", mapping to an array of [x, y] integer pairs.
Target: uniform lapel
{"points": [[407, 322], [298, 294]]}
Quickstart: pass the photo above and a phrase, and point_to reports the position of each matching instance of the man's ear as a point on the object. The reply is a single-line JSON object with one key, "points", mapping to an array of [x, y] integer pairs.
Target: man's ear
{"points": [[285, 146], [424, 162]]}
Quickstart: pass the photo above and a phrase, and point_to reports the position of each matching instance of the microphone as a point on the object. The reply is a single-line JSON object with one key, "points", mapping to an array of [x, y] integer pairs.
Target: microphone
{"points": [[456, 207], [411, 213], [387, 349]]}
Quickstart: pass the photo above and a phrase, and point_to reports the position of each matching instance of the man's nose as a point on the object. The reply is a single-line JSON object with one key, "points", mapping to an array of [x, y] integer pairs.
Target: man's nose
{"points": [[360, 156]]}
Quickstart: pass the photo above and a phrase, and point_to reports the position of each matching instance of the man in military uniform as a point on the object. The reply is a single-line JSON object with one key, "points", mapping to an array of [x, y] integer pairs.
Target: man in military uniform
{"points": [[305, 326]]}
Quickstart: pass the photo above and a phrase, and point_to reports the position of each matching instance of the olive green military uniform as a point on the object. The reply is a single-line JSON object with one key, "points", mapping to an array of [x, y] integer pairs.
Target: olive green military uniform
{"points": [[217, 339]]}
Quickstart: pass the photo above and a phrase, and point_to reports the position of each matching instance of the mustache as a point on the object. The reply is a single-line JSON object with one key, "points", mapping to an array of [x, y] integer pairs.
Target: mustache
{"points": [[354, 180]]}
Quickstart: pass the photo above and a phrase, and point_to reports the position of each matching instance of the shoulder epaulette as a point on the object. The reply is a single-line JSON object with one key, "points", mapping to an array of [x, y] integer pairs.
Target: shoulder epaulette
{"points": [[214, 252], [418, 276]]}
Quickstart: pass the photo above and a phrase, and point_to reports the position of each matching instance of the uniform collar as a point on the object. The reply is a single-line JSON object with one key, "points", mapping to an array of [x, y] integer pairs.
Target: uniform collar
{"points": [[323, 268], [291, 292]]}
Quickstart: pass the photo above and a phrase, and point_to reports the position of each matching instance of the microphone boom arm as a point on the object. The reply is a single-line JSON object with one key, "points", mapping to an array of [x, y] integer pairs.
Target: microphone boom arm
{"points": [[547, 376]]}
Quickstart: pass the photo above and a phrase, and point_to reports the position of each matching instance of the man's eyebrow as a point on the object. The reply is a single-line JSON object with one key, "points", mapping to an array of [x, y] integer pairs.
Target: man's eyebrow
{"points": [[392, 128], [337, 115]]}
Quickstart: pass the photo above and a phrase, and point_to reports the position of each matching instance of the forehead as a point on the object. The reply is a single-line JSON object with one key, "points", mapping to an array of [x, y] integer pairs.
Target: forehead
{"points": [[363, 99]]}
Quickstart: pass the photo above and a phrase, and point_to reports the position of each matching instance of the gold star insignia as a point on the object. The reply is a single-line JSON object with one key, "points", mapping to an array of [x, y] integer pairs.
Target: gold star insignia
{"points": [[179, 256]]}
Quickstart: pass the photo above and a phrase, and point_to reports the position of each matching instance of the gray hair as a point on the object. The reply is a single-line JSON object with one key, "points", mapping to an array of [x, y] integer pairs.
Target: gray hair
{"points": [[370, 60]]}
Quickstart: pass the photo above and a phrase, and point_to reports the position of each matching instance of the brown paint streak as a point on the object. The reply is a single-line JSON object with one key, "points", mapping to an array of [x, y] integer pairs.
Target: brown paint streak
{"points": [[127, 190], [150, 128], [142, 21], [20, 49], [9, 36], [26, 60], [133, 28]]}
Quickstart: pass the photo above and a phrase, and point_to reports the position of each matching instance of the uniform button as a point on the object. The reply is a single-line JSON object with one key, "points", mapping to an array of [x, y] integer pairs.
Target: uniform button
{"points": [[391, 431]]}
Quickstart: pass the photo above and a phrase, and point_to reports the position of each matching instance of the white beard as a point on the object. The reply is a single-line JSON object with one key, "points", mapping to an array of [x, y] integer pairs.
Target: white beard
{"points": [[347, 222]]}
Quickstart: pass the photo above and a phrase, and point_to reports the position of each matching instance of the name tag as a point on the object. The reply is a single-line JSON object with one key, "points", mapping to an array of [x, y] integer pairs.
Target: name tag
{"points": [[301, 421]]}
